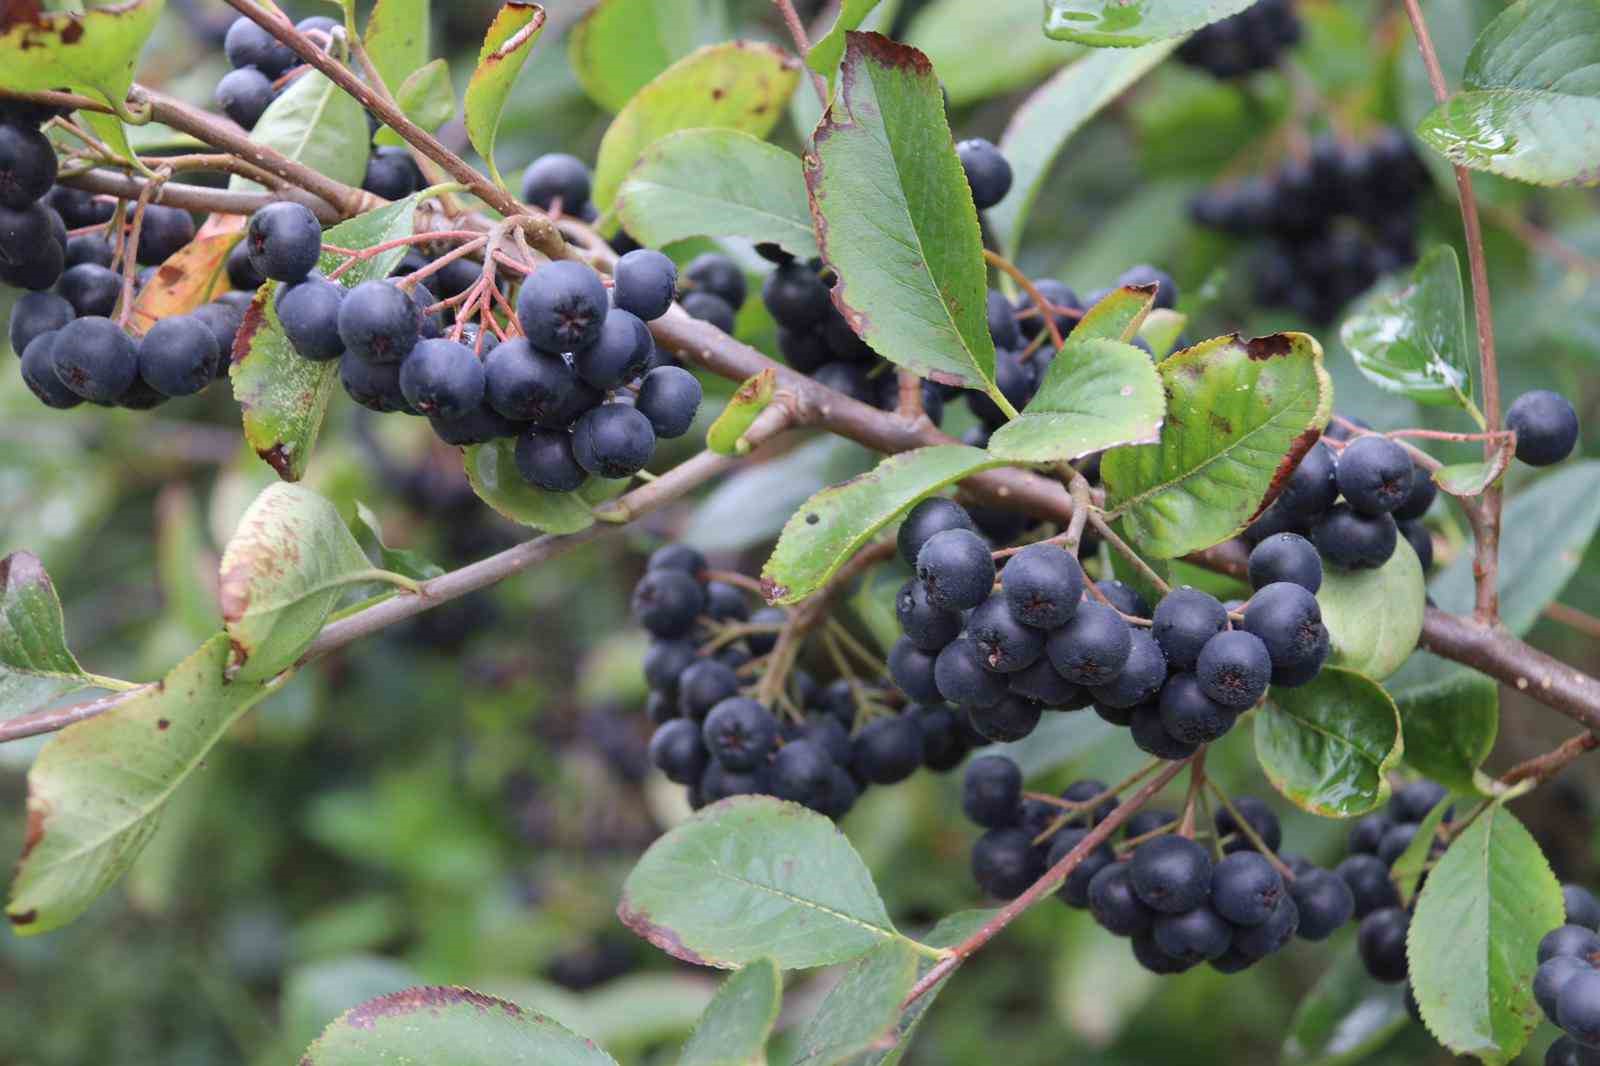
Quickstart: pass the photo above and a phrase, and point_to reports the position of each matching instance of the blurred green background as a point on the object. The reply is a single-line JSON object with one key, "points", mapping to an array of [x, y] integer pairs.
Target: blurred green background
{"points": [[458, 799]]}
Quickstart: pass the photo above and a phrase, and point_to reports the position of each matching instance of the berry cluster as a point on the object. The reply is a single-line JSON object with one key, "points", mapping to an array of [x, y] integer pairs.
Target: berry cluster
{"points": [[1334, 222], [561, 389], [259, 61], [1567, 984], [1376, 842], [824, 745], [1157, 886], [1004, 656], [1354, 504], [1241, 44]]}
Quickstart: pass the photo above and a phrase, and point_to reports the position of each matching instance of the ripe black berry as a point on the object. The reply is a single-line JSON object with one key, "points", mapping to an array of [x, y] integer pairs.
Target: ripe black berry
{"points": [[375, 386], [677, 751], [1353, 541], [1375, 475], [913, 670], [37, 313], [1552, 976], [27, 165], [929, 627], [164, 233], [1234, 669], [1123, 597], [740, 733], [309, 314], [988, 172], [1114, 904], [1413, 801], [667, 601], [1245, 889], [709, 307], [178, 357], [248, 45], [1093, 648], [284, 241], [613, 440], [378, 322], [1259, 941], [1149, 955], [1546, 425], [88, 248], [956, 568], [1171, 874], [1043, 584], [95, 359], [1008, 719], [1325, 903], [525, 384], [1074, 891], [1192, 937], [644, 282], [1189, 714], [1141, 677], [1423, 491], [39, 373], [1150, 734], [669, 396], [1184, 621], [1260, 819], [1004, 862], [1573, 940], [887, 750], [91, 289], [802, 773], [243, 95], [1582, 907], [718, 276], [1286, 557], [945, 737], [556, 176], [442, 377], [1005, 645], [619, 354], [1041, 684], [562, 306], [1313, 486], [1288, 620], [991, 791], [544, 459], [932, 515], [1369, 883], [1057, 295], [962, 679]]}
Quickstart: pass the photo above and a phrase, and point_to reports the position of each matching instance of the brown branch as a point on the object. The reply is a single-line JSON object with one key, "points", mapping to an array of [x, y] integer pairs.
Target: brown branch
{"points": [[196, 197], [797, 30], [1486, 544], [1046, 884], [1542, 768], [1573, 618]]}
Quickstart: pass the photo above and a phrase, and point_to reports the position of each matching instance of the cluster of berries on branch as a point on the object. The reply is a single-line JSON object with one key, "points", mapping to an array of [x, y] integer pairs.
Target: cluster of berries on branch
{"points": [[721, 732], [1254, 39], [1178, 901], [1046, 640], [1567, 983], [1332, 223], [260, 64]]}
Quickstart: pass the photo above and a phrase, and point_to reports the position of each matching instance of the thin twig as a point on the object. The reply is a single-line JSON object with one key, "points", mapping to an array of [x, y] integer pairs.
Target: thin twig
{"points": [[791, 19], [1111, 537], [1573, 618], [1043, 306], [1542, 768]]}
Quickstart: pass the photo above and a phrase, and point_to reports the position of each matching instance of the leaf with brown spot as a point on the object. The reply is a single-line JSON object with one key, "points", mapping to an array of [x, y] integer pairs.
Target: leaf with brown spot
{"points": [[197, 273], [97, 789], [93, 51], [449, 1026], [1239, 417], [506, 45], [288, 563]]}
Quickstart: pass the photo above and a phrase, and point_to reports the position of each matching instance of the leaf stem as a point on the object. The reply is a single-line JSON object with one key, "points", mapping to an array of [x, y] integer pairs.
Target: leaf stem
{"points": [[1111, 537], [1043, 306]]}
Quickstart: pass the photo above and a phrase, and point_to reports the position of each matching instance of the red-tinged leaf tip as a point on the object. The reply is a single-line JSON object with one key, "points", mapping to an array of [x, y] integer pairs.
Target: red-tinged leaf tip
{"points": [[659, 935]]}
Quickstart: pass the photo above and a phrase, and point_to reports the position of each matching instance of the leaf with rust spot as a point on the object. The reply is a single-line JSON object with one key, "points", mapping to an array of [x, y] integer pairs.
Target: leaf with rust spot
{"points": [[506, 45], [895, 219], [36, 667], [737, 85], [196, 274], [449, 1026], [97, 789], [1239, 417], [744, 407], [754, 876], [288, 563], [95, 51]]}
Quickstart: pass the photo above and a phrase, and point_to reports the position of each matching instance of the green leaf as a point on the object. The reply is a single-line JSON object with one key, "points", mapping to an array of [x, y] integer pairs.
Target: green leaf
{"points": [[950, 931], [726, 435], [1346, 1017], [1529, 108], [895, 219], [505, 49], [983, 50], [1374, 616], [97, 789], [750, 506], [754, 876], [1409, 335], [717, 183], [436, 1026], [1096, 395], [1162, 330], [733, 1030], [36, 666], [1119, 314], [619, 45], [1328, 745], [284, 397], [289, 562], [492, 470], [316, 123], [1471, 479], [1561, 512], [427, 98], [1119, 24], [396, 39], [413, 564], [1407, 870], [1450, 726], [834, 524], [1048, 118], [1474, 939], [1239, 417], [737, 85], [862, 1011], [95, 52], [824, 55]]}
